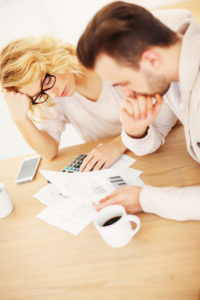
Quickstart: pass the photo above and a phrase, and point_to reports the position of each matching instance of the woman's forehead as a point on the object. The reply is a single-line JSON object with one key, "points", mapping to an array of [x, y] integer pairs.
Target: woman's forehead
{"points": [[31, 89]]}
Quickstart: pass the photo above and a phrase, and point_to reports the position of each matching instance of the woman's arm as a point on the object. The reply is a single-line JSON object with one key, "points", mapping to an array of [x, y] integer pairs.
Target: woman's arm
{"points": [[18, 105], [104, 155], [39, 140]]}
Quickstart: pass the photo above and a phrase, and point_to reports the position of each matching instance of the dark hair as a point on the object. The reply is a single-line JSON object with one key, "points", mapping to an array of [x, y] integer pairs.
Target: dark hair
{"points": [[123, 31]]}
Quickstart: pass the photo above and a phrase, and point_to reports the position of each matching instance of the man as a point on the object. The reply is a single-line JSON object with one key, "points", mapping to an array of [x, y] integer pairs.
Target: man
{"points": [[129, 47]]}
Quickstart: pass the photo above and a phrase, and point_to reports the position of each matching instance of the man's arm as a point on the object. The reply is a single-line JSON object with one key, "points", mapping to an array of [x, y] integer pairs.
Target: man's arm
{"points": [[178, 204], [154, 128]]}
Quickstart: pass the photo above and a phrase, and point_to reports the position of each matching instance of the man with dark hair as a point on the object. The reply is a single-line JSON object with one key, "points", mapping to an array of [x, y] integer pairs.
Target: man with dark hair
{"points": [[130, 48], [123, 31]]}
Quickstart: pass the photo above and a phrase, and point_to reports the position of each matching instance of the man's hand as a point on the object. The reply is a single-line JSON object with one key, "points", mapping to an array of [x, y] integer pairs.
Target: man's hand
{"points": [[138, 112], [103, 156], [18, 105], [127, 196]]}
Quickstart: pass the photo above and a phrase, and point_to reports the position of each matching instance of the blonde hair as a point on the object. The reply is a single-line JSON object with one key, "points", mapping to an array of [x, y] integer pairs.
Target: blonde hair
{"points": [[24, 61]]}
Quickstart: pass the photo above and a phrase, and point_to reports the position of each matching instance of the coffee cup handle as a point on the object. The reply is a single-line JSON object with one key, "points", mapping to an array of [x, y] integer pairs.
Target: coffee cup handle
{"points": [[135, 220]]}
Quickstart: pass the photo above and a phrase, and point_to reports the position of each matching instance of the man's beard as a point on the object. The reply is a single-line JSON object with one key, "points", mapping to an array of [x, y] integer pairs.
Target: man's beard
{"points": [[156, 84]]}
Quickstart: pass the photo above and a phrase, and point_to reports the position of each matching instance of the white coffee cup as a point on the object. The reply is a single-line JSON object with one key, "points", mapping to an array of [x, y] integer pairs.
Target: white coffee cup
{"points": [[120, 232], [6, 205]]}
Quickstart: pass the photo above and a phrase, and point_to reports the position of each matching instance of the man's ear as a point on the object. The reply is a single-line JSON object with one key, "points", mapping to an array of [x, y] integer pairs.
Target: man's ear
{"points": [[151, 59]]}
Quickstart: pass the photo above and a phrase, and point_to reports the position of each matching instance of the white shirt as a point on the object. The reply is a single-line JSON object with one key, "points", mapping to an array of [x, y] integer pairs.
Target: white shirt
{"points": [[92, 120], [184, 100]]}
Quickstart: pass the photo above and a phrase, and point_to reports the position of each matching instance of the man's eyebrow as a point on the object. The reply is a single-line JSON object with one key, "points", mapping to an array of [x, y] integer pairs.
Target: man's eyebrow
{"points": [[120, 83]]}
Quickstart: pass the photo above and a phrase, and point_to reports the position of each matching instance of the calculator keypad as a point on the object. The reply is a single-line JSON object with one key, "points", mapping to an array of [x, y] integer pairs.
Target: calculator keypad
{"points": [[74, 166]]}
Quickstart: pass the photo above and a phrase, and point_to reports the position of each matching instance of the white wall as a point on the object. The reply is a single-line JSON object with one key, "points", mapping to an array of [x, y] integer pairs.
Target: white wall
{"points": [[151, 4], [17, 18]]}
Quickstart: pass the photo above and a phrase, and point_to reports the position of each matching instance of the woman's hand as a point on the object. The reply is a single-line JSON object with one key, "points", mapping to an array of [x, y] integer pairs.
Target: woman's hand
{"points": [[18, 105], [103, 156], [138, 112], [127, 196]]}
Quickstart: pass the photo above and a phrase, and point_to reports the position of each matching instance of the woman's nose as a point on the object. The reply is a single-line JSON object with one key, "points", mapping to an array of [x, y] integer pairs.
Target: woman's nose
{"points": [[53, 93]]}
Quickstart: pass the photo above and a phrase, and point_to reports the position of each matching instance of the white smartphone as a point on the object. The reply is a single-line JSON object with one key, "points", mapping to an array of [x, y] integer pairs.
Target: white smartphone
{"points": [[27, 169]]}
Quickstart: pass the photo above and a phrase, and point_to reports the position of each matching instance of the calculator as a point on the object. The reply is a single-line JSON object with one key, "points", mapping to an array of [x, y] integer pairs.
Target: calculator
{"points": [[75, 164]]}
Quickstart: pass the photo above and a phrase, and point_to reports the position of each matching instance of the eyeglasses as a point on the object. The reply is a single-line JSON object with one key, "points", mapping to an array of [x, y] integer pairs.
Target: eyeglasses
{"points": [[47, 83]]}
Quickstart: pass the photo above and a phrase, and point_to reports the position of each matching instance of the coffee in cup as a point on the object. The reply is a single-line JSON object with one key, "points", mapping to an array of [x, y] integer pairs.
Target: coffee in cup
{"points": [[114, 225]]}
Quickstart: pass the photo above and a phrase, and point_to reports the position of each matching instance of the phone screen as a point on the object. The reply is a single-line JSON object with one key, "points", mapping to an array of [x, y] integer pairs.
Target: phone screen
{"points": [[28, 169]]}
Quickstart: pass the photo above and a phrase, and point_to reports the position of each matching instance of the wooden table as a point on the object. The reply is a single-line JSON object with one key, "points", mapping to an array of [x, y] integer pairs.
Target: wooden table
{"points": [[40, 261]]}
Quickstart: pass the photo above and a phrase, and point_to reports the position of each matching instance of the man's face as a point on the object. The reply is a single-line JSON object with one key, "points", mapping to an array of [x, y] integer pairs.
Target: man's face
{"points": [[142, 81]]}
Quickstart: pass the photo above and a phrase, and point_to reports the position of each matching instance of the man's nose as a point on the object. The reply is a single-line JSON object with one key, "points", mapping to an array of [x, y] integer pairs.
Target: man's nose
{"points": [[127, 91]]}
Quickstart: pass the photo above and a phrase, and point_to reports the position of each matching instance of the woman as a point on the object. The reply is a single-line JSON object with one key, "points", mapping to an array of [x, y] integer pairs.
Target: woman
{"points": [[45, 87]]}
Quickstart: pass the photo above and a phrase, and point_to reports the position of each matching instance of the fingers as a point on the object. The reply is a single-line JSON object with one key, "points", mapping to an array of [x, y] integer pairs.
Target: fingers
{"points": [[18, 105], [92, 162], [127, 107], [102, 156], [159, 98], [87, 163], [149, 105], [109, 200], [127, 196], [139, 107], [157, 106], [142, 107], [11, 96]]}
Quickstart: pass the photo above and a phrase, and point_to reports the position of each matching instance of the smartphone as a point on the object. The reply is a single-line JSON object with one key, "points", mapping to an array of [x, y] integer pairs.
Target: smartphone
{"points": [[27, 169]]}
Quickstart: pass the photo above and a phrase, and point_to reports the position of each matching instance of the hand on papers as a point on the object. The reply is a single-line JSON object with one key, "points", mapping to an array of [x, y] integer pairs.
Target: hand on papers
{"points": [[103, 156], [127, 196], [138, 112]]}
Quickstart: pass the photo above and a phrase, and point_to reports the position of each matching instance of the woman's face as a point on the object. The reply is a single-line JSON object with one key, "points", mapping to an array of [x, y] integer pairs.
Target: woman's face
{"points": [[64, 86]]}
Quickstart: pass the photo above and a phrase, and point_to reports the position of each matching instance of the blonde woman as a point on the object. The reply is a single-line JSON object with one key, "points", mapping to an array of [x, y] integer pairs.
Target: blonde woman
{"points": [[45, 88]]}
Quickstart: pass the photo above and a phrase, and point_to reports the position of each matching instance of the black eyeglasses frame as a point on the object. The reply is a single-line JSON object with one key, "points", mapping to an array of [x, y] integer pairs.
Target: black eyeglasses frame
{"points": [[42, 92]]}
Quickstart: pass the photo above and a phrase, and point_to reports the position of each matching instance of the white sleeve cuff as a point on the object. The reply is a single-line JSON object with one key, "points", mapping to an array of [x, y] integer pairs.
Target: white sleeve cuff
{"points": [[170, 202], [148, 144]]}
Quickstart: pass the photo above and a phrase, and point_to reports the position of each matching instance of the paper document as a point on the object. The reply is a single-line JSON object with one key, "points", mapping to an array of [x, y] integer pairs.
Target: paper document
{"points": [[51, 196], [69, 197], [93, 185], [82, 216], [123, 161]]}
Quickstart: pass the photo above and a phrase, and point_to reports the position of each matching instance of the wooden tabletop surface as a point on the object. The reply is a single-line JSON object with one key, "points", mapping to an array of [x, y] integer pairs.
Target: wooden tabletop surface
{"points": [[40, 261]]}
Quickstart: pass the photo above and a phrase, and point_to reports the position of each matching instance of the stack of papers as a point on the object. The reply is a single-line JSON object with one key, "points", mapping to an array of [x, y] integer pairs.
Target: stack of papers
{"points": [[69, 197]]}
